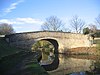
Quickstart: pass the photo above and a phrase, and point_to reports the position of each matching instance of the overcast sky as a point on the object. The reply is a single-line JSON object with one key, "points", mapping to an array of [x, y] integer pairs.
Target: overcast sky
{"points": [[29, 15]]}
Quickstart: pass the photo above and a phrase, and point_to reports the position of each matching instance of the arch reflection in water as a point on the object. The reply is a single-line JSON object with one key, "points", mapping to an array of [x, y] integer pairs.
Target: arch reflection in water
{"points": [[74, 66], [53, 64]]}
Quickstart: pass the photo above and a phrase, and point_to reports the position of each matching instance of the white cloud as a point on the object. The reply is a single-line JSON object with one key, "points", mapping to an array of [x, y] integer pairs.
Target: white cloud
{"points": [[24, 24], [29, 20], [22, 21], [12, 6], [7, 21]]}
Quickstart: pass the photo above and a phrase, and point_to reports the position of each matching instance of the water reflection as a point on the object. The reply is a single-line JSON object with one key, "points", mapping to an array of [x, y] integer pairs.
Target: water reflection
{"points": [[53, 65], [71, 65], [76, 66], [47, 58]]}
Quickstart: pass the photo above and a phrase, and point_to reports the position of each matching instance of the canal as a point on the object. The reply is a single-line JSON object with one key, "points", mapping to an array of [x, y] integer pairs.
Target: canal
{"points": [[72, 65]]}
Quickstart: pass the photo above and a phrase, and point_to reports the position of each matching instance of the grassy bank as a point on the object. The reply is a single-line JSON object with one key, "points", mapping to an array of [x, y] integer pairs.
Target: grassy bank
{"points": [[21, 63], [97, 42], [15, 61], [5, 49]]}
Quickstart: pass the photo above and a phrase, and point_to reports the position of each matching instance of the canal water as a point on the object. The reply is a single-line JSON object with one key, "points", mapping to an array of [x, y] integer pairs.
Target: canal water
{"points": [[74, 65]]}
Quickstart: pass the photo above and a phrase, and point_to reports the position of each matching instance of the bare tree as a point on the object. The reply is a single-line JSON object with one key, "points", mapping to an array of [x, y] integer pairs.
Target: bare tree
{"points": [[77, 24], [53, 24], [98, 20], [6, 29], [93, 28]]}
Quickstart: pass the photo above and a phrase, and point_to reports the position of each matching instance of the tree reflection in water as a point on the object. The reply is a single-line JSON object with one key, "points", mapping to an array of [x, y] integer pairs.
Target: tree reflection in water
{"points": [[76, 66], [61, 64], [47, 59]]}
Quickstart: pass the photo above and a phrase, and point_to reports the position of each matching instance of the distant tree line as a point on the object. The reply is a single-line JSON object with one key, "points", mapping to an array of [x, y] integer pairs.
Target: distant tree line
{"points": [[53, 23]]}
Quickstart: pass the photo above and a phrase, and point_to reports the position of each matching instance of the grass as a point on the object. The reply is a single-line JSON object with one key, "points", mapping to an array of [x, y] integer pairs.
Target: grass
{"points": [[98, 46], [11, 58], [97, 42], [8, 62], [36, 69], [5, 49]]}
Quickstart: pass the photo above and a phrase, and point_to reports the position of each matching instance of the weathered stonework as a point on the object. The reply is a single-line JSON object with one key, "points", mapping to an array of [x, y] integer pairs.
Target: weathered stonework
{"points": [[65, 40]]}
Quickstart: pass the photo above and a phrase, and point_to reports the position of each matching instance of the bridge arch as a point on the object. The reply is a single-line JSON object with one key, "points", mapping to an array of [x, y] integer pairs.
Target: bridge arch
{"points": [[52, 41]]}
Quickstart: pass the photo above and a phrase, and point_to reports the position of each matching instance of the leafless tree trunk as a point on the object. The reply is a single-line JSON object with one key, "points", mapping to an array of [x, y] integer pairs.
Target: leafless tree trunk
{"points": [[77, 24], [53, 24], [98, 20]]}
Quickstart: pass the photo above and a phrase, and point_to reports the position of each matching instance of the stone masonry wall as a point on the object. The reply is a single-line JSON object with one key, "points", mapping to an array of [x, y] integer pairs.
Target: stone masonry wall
{"points": [[65, 40]]}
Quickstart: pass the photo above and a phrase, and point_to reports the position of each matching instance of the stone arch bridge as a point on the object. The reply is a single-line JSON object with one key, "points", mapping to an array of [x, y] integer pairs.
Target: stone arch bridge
{"points": [[62, 41]]}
